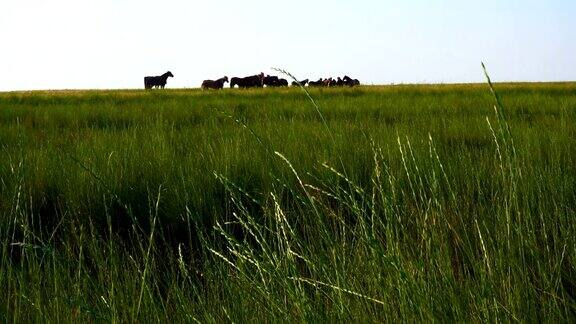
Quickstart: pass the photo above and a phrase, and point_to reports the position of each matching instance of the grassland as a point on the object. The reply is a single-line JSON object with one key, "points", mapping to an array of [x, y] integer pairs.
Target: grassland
{"points": [[411, 203]]}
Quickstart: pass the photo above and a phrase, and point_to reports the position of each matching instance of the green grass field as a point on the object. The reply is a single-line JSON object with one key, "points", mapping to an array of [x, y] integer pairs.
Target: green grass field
{"points": [[383, 203]]}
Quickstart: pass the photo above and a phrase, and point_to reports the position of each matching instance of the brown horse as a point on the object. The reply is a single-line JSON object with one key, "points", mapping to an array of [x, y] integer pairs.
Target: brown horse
{"points": [[214, 84]]}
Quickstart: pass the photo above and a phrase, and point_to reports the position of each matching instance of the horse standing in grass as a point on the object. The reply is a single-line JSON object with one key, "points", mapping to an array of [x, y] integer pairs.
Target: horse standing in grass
{"points": [[318, 83], [327, 82], [270, 81], [296, 83], [211, 84], [350, 82], [157, 81], [274, 81], [254, 81]]}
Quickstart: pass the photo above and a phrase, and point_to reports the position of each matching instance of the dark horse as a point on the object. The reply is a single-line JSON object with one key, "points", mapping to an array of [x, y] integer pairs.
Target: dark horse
{"points": [[157, 81], [211, 84], [350, 82], [270, 81], [254, 81], [296, 83], [318, 83], [274, 81]]}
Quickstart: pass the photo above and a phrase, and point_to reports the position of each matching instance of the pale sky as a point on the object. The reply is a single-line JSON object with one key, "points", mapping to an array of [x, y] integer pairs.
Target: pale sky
{"points": [[77, 44]]}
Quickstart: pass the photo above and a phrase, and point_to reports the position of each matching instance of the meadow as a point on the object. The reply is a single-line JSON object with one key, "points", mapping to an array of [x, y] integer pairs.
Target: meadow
{"points": [[371, 204]]}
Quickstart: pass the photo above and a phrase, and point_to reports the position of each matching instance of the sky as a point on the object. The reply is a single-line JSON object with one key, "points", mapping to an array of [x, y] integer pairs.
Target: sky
{"points": [[105, 44]]}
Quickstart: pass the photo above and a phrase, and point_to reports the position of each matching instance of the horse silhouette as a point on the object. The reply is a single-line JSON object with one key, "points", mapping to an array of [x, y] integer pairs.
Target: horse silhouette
{"points": [[296, 83], [253, 81], [350, 82], [214, 84], [157, 81]]}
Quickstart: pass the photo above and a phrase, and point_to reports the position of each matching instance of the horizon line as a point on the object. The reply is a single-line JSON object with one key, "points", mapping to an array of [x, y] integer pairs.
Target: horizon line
{"points": [[363, 85]]}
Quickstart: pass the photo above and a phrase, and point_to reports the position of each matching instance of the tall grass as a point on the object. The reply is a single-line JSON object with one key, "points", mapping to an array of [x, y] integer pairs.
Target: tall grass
{"points": [[420, 203]]}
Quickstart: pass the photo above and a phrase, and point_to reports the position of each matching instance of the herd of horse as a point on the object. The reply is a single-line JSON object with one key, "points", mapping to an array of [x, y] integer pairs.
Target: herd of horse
{"points": [[253, 81]]}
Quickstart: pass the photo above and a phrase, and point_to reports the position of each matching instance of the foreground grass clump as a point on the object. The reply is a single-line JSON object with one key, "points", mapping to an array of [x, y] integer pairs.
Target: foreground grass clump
{"points": [[398, 203]]}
